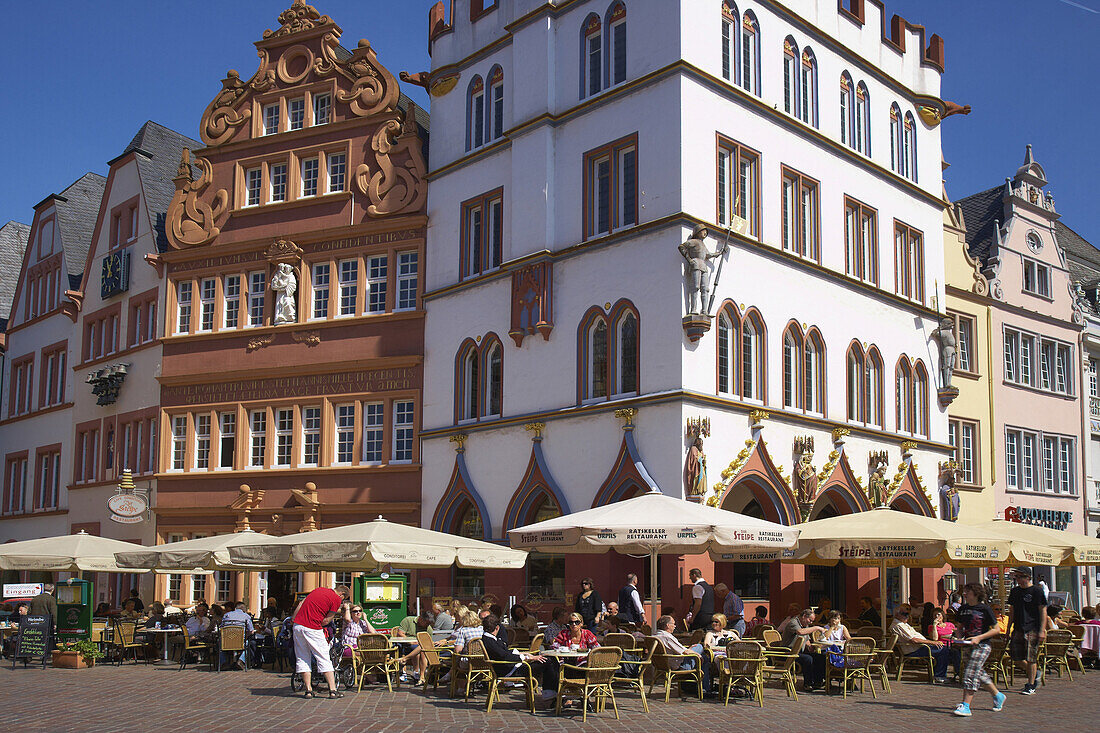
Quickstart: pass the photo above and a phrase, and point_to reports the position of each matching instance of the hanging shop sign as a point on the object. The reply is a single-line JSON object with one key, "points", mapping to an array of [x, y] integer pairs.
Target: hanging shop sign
{"points": [[127, 508], [1051, 518]]}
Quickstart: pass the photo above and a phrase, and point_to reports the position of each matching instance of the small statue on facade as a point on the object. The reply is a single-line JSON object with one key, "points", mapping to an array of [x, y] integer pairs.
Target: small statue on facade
{"points": [[877, 487], [945, 334], [949, 495], [805, 475], [695, 254], [284, 283], [695, 469]]}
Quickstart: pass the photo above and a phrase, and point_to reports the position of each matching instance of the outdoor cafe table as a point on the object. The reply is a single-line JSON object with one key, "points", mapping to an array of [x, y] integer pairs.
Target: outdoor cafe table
{"points": [[565, 654], [1090, 642], [165, 632]]}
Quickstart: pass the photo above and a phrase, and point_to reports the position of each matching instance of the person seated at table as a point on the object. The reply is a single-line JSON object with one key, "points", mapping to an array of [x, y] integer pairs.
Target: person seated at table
{"points": [[868, 614], [441, 620], [940, 628], [102, 610], [1052, 618], [926, 617], [409, 626], [498, 651], [523, 620], [468, 627], [694, 654], [156, 615], [1088, 616], [216, 614], [718, 636], [237, 617], [577, 635], [139, 606], [615, 624], [812, 662], [559, 619], [273, 604], [129, 611], [1002, 617], [914, 644], [198, 628], [759, 619], [22, 609], [263, 640], [834, 637]]}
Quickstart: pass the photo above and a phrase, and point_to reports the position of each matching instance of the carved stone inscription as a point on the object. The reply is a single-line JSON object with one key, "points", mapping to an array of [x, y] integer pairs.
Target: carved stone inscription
{"points": [[275, 388]]}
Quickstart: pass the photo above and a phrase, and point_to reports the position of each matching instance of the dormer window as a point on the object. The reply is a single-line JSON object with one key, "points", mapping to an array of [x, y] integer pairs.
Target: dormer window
{"points": [[1036, 278], [271, 119]]}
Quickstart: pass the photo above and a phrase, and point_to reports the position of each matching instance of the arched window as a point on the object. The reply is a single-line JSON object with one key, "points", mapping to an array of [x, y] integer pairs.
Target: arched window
{"points": [[626, 358], [469, 524], [591, 56], [597, 385], [856, 367], [863, 120], [903, 396], [790, 77], [752, 357], [920, 400], [813, 373], [792, 368], [896, 163], [475, 114], [864, 385], [469, 381], [750, 54], [495, 129], [848, 134], [494, 380], [729, 42], [808, 88], [872, 387], [909, 147], [729, 326], [616, 44]]}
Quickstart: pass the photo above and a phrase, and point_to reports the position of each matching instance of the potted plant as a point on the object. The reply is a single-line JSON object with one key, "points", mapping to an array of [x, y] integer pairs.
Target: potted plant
{"points": [[78, 654]]}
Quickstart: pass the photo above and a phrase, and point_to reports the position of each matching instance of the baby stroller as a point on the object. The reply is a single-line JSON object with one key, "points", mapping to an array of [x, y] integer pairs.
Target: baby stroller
{"points": [[336, 655]]}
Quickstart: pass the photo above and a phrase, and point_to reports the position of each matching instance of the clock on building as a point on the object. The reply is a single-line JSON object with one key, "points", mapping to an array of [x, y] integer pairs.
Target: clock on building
{"points": [[115, 274]]}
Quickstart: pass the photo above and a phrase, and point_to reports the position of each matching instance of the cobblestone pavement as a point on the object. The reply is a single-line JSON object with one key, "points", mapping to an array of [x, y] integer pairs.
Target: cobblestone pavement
{"points": [[140, 697]]}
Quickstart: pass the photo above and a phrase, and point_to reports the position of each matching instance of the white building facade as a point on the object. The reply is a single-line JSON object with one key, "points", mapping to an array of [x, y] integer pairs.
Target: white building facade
{"points": [[563, 369]]}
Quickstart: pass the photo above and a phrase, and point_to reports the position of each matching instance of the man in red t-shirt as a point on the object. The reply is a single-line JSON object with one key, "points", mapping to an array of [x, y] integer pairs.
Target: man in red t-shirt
{"points": [[313, 613]]}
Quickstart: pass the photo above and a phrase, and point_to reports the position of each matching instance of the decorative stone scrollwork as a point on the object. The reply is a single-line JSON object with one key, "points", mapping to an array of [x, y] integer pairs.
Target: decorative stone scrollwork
{"points": [[309, 338], [283, 250], [375, 89], [300, 16], [222, 118], [398, 183], [730, 473], [191, 222], [259, 342]]}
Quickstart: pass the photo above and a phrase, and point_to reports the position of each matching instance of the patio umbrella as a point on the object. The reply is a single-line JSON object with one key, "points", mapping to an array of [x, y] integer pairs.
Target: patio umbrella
{"points": [[66, 553], [371, 545], [654, 524], [886, 537], [188, 556]]}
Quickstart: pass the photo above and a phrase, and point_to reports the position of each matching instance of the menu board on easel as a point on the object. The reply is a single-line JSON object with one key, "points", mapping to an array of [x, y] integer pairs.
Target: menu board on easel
{"points": [[34, 640]]}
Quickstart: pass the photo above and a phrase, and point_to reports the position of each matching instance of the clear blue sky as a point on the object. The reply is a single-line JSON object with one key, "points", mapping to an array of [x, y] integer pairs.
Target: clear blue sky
{"points": [[83, 76]]}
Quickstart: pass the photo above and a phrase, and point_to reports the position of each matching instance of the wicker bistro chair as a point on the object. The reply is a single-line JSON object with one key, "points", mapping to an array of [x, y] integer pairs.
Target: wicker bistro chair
{"points": [[593, 681], [626, 642], [496, 673], [883, 654], [374, 653], [191, 644], [520, 638], [743, 666], [758, 632], [923, 663], [230, 639], [666, 665], [999, 664], [536, 644], [779, 665], [858, 654], [124, 640], [1054, 654], [643, 665], [871, 632], [1074, 656], [771, 637], [438, 664], [462, 669]]}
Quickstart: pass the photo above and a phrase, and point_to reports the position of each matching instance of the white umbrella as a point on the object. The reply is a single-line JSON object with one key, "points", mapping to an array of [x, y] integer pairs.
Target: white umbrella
{"points": [[187, 556], [66, 553], [371, 545], [654, 524]]}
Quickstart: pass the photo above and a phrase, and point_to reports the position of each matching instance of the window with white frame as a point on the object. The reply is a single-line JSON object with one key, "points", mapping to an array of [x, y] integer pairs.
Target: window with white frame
{"points": [[738, 185], [349, 286], [592, 66], [801, 217], [494, 380], [208, 296], [320, 289], [374, 417], [271, 118], [965, 330], [729, 42], [470, 397], [179, 442], [311, 436], [402, 431], [407, 268], [198, 586], [612, 187], [1036, 278], [17, 485], [616, 36], [808, 88], [337, 165], [377, 276], [752, 360], [1054, 371], [258, 438], [909, 146], [310, 170], [277, 173], [183, 306], [202, 441], [227, 439], [223, 585], [296, 113], [232, 286], [908, 262], [847, 111], [482, 233], [790, 77], [496, 105], [284, 437], [257, 289], [863, 120], [750, 54], [1093, 392], [253, 186], [345, 434], [475, 114], [1025, 468], [727, 356], [860, 241], [322, 109], [175, 585]]}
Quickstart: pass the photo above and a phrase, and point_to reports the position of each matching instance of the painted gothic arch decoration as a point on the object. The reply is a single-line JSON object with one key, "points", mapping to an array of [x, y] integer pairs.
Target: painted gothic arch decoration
{"points": [[907, 491], [628, 476], [754, 471], [536, 486], [840, 487], [304, 57], [461, 510]]}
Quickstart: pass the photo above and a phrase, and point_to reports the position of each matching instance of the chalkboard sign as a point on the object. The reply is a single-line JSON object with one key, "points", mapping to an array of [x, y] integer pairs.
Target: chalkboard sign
{"points": [[34, 640]]}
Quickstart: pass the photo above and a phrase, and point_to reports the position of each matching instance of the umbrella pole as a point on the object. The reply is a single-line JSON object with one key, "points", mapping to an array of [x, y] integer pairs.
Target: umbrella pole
{"points": [[882, 593], [653, 589], [1002, 589]]}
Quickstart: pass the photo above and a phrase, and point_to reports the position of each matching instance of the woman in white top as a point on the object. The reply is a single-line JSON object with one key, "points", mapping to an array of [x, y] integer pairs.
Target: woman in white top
{"points": [[718, 636], [835, 632]]}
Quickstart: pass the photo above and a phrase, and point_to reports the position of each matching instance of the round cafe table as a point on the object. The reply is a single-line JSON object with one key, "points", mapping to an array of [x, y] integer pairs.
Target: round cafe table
{"points": [[1091, 640], [165, 632], [563, 653]]}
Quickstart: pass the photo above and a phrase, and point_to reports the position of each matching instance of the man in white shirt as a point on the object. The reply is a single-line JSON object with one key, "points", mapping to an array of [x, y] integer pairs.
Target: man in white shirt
{"points": [[630, 601], [914, 644], [693, 658], [195, 625]]}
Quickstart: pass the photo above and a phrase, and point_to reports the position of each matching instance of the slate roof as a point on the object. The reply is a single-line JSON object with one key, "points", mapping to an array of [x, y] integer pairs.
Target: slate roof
{"points": [[980, 210], [158, 149], [77, 209], [13, 247]]}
